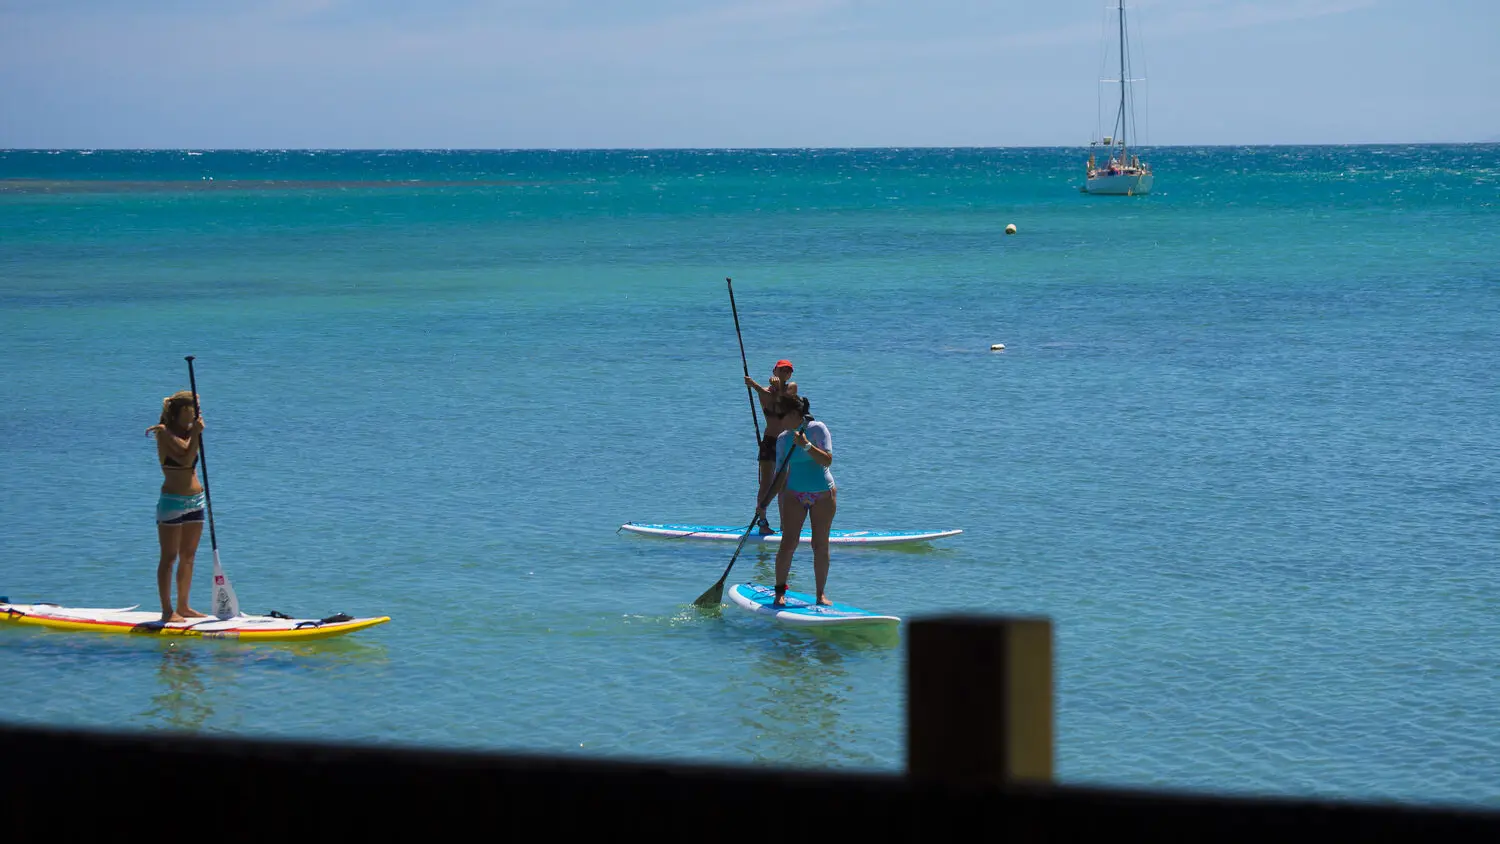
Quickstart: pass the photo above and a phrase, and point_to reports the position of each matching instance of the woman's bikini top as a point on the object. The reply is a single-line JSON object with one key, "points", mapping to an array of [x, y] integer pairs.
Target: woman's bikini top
{"points": [[771, 414], [169, 463]]}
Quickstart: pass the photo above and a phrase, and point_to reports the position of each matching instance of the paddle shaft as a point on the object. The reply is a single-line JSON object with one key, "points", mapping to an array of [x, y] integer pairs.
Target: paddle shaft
{"points": [[750, 392], [208, 500], [715, 593]]}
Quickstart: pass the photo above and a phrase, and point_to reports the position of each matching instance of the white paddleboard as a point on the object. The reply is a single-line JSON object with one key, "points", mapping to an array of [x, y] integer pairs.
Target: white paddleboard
{"points": [[729, 533], [803, 609]]}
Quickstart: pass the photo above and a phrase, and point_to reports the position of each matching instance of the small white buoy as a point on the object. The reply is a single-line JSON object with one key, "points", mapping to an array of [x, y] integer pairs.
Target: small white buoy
{"points": [[997, 347], [1010, 229]]}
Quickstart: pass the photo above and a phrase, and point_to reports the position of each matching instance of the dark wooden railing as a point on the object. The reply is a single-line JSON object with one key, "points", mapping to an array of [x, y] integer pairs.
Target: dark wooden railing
{"points": [[980, 767]]}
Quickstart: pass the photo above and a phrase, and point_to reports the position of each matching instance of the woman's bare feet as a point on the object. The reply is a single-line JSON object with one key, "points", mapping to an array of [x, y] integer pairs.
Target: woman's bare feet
{"points": [[824, 602], [189, 612], [170, 617]]}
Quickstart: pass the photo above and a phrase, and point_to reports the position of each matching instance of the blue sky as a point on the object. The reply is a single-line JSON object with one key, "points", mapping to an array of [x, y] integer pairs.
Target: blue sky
{"points": [[735, 73]]}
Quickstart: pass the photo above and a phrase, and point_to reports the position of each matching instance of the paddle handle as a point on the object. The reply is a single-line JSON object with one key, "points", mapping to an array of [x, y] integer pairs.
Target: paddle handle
{"points": [[745, 363], [208, 499]]}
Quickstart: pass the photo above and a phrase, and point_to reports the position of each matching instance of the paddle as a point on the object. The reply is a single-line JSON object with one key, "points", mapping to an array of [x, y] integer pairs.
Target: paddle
{"points": [[715, 593], [750, 393], [226, 605]]}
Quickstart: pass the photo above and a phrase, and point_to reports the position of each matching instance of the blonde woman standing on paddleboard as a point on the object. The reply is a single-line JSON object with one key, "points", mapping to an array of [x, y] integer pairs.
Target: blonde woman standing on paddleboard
{"points": [[179, 510], [807, 491], [781, 384]]}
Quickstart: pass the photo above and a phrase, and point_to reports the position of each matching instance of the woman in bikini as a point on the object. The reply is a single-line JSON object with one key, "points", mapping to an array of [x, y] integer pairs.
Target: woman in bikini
{"points": [[807, 489], [781, 383], [179, 510]]}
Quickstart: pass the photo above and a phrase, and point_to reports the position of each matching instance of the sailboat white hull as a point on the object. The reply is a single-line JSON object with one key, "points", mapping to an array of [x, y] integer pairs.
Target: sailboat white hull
{"points": [[1120, 173], [1120, 184]]}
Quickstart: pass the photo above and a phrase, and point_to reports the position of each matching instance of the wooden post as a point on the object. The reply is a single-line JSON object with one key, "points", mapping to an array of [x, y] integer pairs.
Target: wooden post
{"points": [[979, 700]]}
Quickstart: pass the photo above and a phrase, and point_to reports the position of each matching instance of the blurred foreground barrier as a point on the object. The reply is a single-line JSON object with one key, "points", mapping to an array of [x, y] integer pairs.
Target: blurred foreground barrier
{"points": [[980, 755], [979, 701]]}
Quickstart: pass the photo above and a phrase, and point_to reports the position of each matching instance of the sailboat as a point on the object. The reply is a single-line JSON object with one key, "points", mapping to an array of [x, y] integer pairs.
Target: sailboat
{"points": [[1121, 174]]}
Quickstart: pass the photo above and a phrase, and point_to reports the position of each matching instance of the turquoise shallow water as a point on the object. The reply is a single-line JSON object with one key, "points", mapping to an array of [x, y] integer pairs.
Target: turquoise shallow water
{"points": [[1239, 447]]}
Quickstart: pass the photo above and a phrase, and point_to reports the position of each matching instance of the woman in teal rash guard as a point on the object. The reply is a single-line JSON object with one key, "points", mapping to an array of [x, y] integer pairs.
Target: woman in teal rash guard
{"points": [[807, 489], [180, 508]]}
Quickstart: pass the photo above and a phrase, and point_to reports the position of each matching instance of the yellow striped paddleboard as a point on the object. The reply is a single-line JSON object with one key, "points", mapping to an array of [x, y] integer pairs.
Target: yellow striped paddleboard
{"points": [[258, 628]]}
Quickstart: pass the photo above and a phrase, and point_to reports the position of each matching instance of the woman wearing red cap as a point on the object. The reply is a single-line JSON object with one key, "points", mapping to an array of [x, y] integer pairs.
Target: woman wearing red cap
{"points": [[781, 384]]}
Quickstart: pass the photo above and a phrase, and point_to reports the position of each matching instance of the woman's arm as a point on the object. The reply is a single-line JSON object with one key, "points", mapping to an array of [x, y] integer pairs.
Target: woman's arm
{"points": [[777, 484], [821, 456], [182, 451]]}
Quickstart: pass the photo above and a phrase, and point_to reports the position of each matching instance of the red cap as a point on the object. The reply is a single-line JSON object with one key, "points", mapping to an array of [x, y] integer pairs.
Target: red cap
{"points": [[782, 363]]}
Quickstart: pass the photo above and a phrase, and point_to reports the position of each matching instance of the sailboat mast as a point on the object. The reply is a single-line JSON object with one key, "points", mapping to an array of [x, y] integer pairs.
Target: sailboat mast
{"points": [[1123, 118]]}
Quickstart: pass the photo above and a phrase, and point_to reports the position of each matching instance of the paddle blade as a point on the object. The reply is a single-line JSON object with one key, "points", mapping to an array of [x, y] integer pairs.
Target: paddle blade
{"points": [[713, 597], [226, 605], [715, 594]]}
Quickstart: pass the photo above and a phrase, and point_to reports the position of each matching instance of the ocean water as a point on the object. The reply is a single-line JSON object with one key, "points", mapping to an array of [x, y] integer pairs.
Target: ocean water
{"points": [[1240, 446]]}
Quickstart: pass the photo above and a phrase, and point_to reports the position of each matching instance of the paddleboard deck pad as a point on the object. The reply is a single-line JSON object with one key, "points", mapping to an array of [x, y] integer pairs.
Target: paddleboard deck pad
{"points": [[803, 609], [259, 628], [729, 533]]}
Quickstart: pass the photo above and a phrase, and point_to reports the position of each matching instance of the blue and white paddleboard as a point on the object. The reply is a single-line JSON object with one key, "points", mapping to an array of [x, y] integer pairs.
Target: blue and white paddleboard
{"points": [[729, 533], [803, 609]]}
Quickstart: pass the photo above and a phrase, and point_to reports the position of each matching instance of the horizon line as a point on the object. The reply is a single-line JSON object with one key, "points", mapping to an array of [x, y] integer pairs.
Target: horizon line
{"points": [[1488, 142]]}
